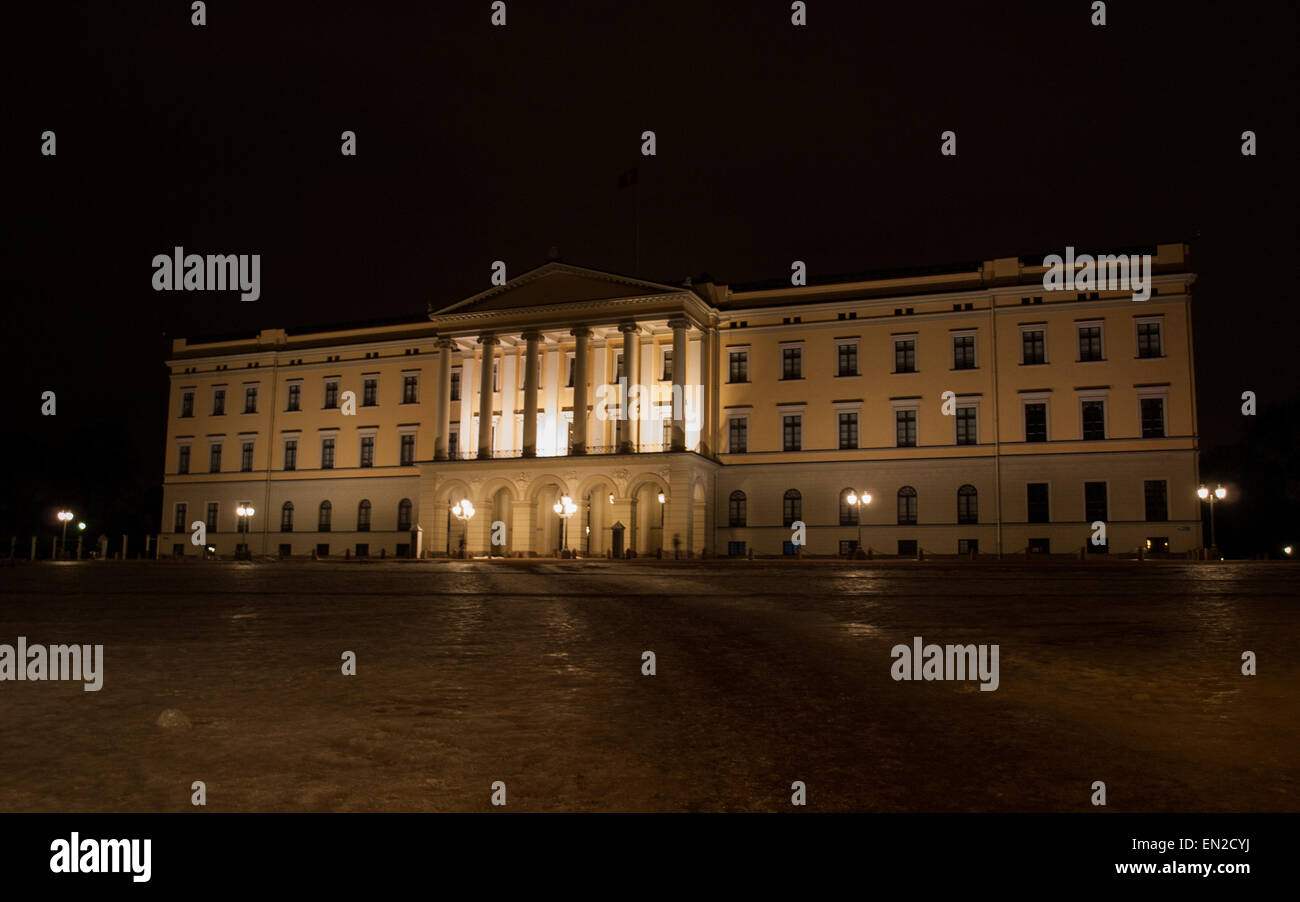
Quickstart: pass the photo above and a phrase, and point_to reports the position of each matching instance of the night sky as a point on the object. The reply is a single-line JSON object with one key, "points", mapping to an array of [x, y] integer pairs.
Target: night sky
{"points": [[478, 143]]}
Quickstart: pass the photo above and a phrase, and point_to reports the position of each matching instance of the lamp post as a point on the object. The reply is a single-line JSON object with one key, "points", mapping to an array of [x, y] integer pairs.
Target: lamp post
{"points": [[245, 513], [1217, 495], [566, 509], [64, 516], [464, 511], [855, 501]]}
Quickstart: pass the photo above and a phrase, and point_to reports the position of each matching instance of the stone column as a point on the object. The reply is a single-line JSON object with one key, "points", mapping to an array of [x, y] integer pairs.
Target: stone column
{"points": [[530, 393], [628, 433], [489, 343], [678, 429], [442, 410], [582, 334]]}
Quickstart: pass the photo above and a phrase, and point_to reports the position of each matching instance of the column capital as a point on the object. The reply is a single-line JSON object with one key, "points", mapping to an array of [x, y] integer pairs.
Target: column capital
{"points": [[531, 335], [679, 322], [628, 328], [580, 332], [444, 342], [488, 340]]}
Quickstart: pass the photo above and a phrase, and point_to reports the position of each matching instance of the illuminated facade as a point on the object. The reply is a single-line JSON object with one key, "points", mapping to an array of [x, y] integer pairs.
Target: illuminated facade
{"points": [[1065, 409]]}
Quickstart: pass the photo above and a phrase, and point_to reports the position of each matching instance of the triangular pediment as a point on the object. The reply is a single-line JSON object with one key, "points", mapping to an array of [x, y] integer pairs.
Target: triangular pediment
{"points": [[558, 283]]}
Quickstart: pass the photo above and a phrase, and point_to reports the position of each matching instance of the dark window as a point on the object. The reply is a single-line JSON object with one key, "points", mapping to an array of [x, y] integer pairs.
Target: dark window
{"points": [[905, 355], [245, 456], [363, 549], [214, 459], [1034, 346], [286, 550], [219, 402], [1036, 422], [738, 366], [968, 546], [367, 450], [179, 524], [327, 454], [1157, 500], [408, 449], [667, 374], [967, 426], [738, 435], [848, 430], [294, 401], [792, 363], [322, 549], [1148, 339], [968, 505], [250, 399], [735, 549], [905, 428], [572, 363], [369, 392], [1037, 502], [907, 547], [455, 384], [404, 515], [736, 509], [791, 507], [324, 517], [363, 516], [1094, 502], [1090, 343], [963, 352], [792, 433], [331, 395], [453, 442], [408, 389], [1094, 420], [1153, 417], [848, 359], [187, 404], [848, 512], [907, 506], [210, 521], [848, 547], [183, 459], [286, 517], [291, 454]]}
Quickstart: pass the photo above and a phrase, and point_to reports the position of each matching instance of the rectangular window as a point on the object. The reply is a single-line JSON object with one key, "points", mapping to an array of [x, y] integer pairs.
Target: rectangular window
{"points": [[963, 352], [210, 521], [408, 449], [187, 404], [618, 365], [219, 402], [245, 457], [849, 430], [735, 549], [1037, 503], [1089, 343], [1036, 422], [1094, 502], [1157, 499], [738, 366], [792, 433], [905, 428], [327, 454], [294, 400], [367, 450], [179, 524], [968, 546], [214, 458], [331, 395], [738, 435], [792, 363], [183, 459], [1149, 340], [250, 399], [668, 366], [1033, 346], [291, 454], [409, 384], [453, 443], [496, 375], [907, 547], [1153, 417], [847, 355], [370, 393], [905, 355], [1094, 421], [967, 426], [455, 384]]}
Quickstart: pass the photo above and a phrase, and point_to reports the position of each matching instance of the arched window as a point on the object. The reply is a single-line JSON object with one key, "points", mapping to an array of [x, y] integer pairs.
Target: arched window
{"points": [[286, 517], [968, 504], [404, 515], [323, 521], [848, 512], [792, 507], [736, 513], [363, 515], [907, 506]]}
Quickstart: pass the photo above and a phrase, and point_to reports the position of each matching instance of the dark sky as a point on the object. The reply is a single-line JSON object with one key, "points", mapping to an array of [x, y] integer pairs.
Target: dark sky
{"points": [[478, 143]]}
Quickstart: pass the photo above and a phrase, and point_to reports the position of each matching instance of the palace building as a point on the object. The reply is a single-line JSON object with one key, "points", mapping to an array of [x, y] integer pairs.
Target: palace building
{"points": [[975, 409]]}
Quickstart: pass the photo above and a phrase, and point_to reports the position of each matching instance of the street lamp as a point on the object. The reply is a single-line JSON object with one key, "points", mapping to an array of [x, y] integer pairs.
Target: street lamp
{"points": [[65, 516], [854, 500], [245, 513], [1217, 495], [566, 509], [463, 510]]}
